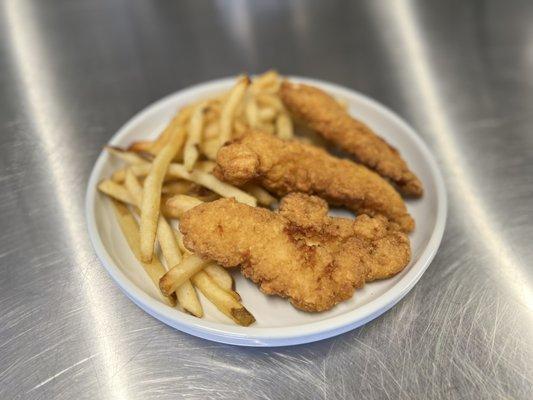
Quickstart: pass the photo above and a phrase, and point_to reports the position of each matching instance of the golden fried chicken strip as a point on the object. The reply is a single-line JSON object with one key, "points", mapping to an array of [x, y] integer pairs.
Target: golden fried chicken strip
{"points": [[300, 253], [321, 113], [283, 167]]}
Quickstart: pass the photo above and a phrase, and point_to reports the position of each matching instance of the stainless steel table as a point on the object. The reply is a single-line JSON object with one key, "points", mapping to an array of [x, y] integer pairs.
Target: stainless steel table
{"points": [[72, 72]]}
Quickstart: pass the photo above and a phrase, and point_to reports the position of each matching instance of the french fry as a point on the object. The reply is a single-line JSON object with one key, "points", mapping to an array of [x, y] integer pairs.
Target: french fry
{"points": [[179, 187], [179, 238], [129, 157], [152, 192], [180, 273], [269, 81], [206, 166], [142, 146], [252, 113], [228, 110], [263, 197], [211, 130], [222, 299], [175, 124], [196, 123], [201, 178], [170, 249], [154, 269], [210, 147], [119, 175], [270, 100], [116, 191], [220, 275], [267, 114], [182, 203], [222, 278], [284, 128]]}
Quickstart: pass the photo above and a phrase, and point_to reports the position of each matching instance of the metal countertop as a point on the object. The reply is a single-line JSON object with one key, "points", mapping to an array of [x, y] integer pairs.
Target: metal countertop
{"points": [[72, 72]]}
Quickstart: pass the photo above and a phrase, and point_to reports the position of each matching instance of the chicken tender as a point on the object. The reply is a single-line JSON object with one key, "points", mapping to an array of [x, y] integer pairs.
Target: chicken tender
{"points": [[283, 167], [299, 252], [321, 113]]}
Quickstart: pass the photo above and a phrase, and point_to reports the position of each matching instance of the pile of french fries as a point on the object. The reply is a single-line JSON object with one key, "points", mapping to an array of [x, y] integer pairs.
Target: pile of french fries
{"points": [[163, 178]]}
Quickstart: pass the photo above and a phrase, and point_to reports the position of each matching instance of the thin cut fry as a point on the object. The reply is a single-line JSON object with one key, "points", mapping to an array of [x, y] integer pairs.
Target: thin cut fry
{"points": [[130, 229], [262, 196], [170, 249], [220, 275], [116, 191], [181, 273], [196, 123], [222, 299], [230, 106], [284, 126], [143, 146], [179, 238], [182, 203], [152, 193], [269, 81], [179, 187], [267, 114], [174, 125], [128, 157], [270, 100], [252, 113], [201, 178]]}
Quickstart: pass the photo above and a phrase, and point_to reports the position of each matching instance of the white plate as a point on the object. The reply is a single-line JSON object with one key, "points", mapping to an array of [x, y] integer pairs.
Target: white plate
{"points": [[278, 323]]}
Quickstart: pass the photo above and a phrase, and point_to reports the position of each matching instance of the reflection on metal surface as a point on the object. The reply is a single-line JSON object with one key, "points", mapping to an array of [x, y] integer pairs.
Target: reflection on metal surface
{"points": [[409, 35], [238, 20], [36, 79]]}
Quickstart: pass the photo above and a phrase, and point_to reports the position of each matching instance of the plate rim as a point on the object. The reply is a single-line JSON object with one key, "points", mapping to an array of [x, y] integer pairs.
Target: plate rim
{"points": [[271, 336]]}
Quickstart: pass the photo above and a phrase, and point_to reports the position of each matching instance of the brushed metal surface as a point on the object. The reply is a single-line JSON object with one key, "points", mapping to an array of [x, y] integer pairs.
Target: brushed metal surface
{"points": [[72, 72]]}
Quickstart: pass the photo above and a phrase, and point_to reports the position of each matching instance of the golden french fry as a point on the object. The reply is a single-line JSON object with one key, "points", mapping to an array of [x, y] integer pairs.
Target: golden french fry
{"points": [[270, 100], [211, 130], [182, 203], [116, 191], [154, 269], [143, 146], [175, 124], [222, 299], [262, 196], [267, 114], [179, 238], [210, 147], [180, 273], [179, 187], [152, 192], [169, 247], [252, 113], [284, 127], [222, 278], [128, 157], [269, 81], [196, 123], [228, 111], [206, 166], [201, 178], [119, 175], [220, 275]]}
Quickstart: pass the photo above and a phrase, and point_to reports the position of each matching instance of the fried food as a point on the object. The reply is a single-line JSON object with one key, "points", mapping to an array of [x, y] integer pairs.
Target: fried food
{"points": [[300, 253], [323, 114], [291, 166]]}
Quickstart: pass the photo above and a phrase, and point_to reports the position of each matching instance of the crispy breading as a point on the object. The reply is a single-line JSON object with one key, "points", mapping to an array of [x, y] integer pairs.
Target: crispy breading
{"points": [[283, 166], [299, 252], [321, 113]]}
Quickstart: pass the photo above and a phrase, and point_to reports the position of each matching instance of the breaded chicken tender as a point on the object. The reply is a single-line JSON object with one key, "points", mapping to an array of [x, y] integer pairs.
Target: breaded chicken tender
{"points": [[283, 166], [299, 252], [320, 112]]}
